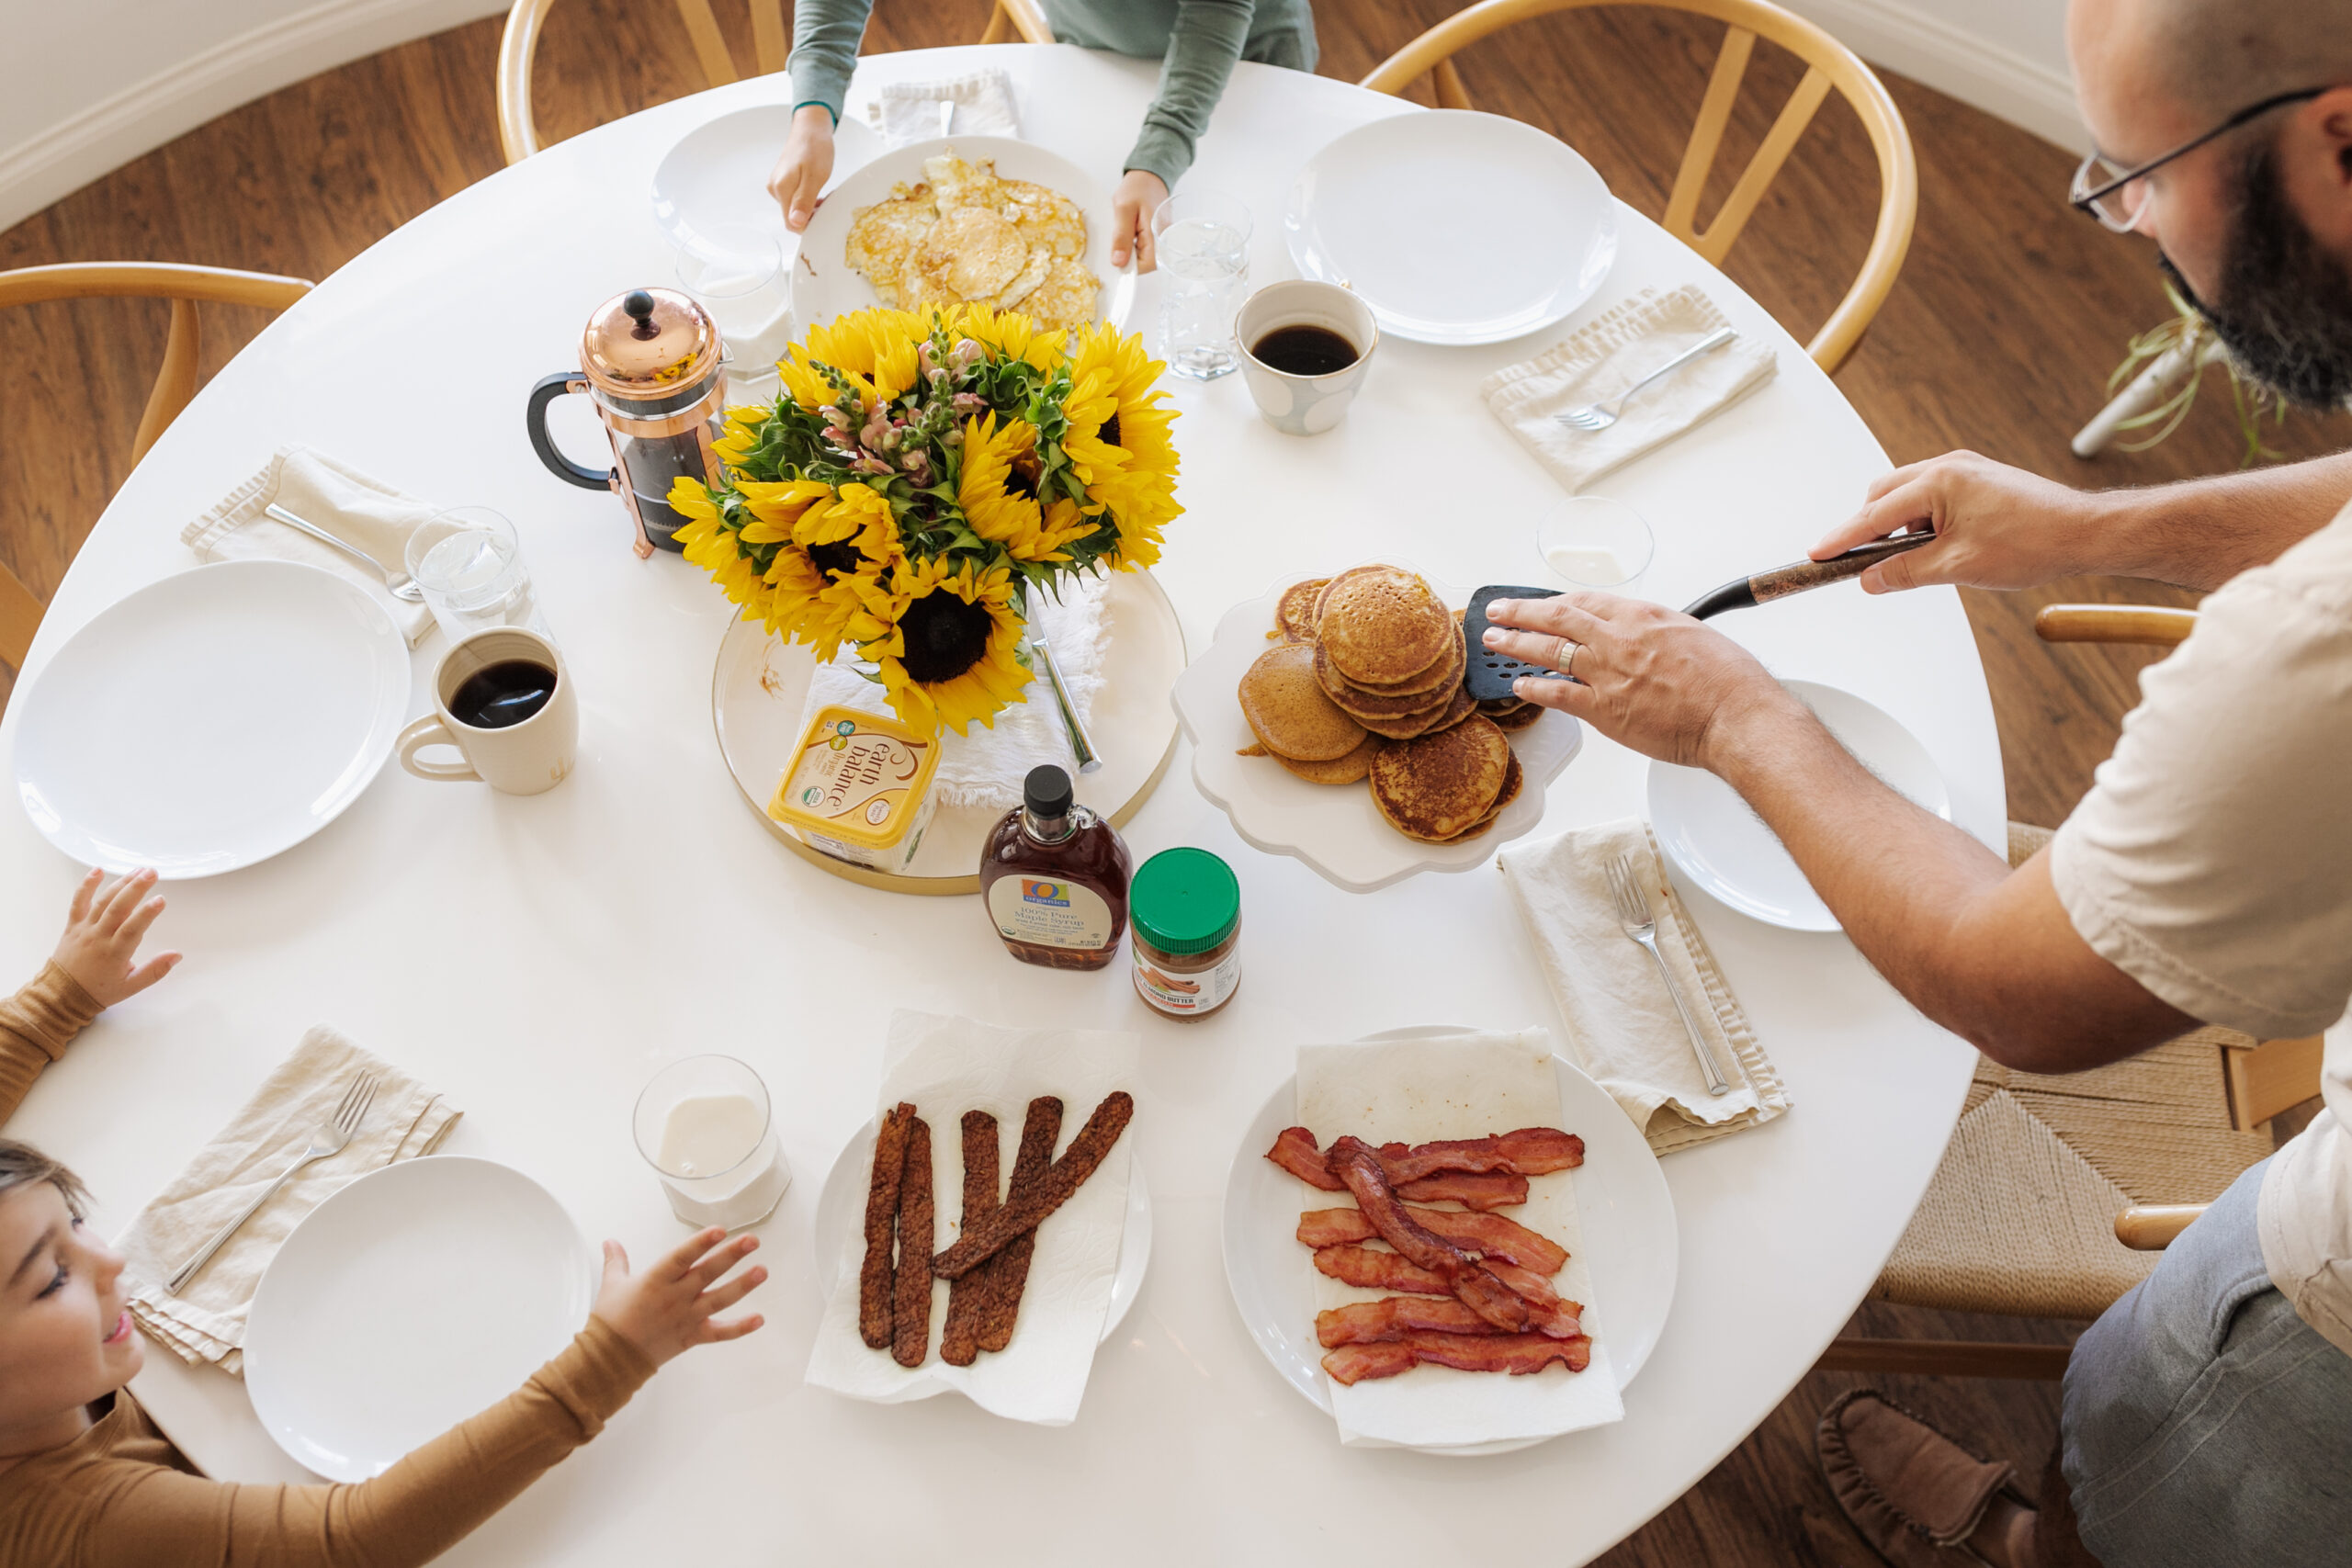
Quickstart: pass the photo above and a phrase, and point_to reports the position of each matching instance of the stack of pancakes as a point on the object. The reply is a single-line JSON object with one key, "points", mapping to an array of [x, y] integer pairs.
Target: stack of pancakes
{"points": [[1367, 683]]}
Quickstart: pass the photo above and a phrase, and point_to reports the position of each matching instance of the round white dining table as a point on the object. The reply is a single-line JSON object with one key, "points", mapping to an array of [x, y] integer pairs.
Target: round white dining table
{"points": [[537, 959]]}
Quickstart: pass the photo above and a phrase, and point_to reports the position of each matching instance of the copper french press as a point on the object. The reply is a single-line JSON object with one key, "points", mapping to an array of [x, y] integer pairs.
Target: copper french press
{"points": [[651, 361]]}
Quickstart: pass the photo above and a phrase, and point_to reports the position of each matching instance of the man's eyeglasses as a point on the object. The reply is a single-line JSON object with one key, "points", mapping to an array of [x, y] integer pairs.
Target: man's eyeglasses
{"points": [[2116, 196]]}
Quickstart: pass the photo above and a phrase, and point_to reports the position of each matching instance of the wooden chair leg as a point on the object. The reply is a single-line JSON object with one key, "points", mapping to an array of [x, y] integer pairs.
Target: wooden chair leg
{"points": [[1451, 93], [20, 613], [175, 382], [1000, 28], [1945, 1358]]}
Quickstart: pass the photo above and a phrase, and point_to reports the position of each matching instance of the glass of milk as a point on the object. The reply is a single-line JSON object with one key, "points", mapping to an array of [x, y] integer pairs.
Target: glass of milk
{"points": [[1590, 541], [704, 1126], [735, 271], [1202, 239]]}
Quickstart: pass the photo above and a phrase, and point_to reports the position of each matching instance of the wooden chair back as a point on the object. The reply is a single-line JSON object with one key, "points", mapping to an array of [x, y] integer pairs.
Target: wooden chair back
{"points": [[1829, 65], [771, 47], [185, 287]]}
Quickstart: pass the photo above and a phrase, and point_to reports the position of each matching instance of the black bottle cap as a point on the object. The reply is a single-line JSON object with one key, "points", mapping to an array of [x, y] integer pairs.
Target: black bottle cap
{"points": [[1046, 791]]}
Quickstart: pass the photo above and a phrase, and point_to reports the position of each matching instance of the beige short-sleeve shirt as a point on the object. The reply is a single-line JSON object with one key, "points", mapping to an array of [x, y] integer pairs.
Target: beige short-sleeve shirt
{"points": [[2211, 861]]}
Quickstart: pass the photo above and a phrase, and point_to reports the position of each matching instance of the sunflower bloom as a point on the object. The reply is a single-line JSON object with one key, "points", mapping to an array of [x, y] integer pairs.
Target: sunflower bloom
{"points": [[1008, 333], [949, 655], [711, 545]]}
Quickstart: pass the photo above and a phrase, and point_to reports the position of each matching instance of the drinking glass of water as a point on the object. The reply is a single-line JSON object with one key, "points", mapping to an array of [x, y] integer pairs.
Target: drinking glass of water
{"points": [[1595, 542], [704, 1124], [471, 571], [1203, 240], [735, 271]]}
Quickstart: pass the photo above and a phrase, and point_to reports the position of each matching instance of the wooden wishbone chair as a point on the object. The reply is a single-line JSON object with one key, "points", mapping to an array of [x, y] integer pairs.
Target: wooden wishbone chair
{"points": [[185, 287], [771, 46], [1829, 64]]}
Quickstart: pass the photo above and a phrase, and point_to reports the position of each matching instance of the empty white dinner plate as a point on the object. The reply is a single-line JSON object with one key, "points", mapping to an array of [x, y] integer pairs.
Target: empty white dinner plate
{"points": [[1721, 845], [841, 1214], [1456, 227], [421, 1294], [1632, 1242], [718, 174], [212, 720]]}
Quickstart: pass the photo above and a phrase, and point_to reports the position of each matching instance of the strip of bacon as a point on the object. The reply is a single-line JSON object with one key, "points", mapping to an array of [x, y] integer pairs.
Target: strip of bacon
{"points": [[1530, 1151], [1548, 1313], [1489, 1234], [1518, 1354], [1392, 1317], [1354, 1162], [1483, 1191], [1296, 1150]]}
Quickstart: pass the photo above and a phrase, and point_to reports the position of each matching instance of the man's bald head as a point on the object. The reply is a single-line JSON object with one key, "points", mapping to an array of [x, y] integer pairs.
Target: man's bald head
{"points": [[2215, 57]]}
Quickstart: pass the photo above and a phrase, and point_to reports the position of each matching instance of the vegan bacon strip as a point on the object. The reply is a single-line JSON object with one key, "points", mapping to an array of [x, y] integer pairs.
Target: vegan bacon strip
{"points": [[1007, 1274], [1026, 1206], [959, 1341], [1489, 1234], [1357, 1163], [1518, 1354], [874, 1276], [911, 1314]]}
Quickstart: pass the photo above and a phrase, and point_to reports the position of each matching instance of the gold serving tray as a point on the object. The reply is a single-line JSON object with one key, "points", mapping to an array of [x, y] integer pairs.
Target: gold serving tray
{"points": [[759, 688]]}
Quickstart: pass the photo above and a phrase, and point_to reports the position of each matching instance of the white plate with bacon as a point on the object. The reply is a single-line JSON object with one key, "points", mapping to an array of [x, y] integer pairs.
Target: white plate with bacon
{"points": [[1629, 1244]]}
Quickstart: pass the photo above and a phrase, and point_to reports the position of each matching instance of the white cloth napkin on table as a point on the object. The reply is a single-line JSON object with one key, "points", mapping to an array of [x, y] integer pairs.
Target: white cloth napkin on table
{"points": [[984, 767], [1465, 1086], [1621, 1024], [908, 111], [946, 1066], [364, 513], [208, 1322], [1609, 354]]}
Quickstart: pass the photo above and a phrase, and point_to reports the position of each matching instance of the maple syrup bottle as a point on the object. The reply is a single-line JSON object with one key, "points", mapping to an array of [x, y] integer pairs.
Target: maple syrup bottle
{"points": [[1054, 877]]}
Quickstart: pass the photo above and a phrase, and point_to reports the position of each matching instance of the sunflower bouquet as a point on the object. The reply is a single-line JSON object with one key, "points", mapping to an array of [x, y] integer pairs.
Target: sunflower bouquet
{"points": [[918, 478]]}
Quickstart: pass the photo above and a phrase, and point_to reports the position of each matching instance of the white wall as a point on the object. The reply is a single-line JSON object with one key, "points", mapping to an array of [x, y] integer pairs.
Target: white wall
{"points": [[86, 85]]}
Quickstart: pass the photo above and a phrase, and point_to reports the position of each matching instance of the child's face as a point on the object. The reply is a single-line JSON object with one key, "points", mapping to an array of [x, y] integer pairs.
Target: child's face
{"points": [[65, 1335]]}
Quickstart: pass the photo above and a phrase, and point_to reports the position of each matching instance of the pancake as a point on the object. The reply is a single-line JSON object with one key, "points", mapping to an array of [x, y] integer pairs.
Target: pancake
{"points": [[1295, 616], [1384, 627], [1461, 707], [1438, 681], [1511, 782], [1065, 297], [1344, 769], [960, 184], [1518, 717], [1047, 219], [1441, 785], [1289, 712], [883, 236], [1024, 282], [969, 255]]}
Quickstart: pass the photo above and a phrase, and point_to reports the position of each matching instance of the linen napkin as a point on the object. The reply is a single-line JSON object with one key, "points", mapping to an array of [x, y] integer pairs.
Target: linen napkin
{"points": [[908, 111], [1621, 1025], [364, 512], [208, 1322], [1459, 1087], [984, 767], [946, 1066], [1608, 356]]}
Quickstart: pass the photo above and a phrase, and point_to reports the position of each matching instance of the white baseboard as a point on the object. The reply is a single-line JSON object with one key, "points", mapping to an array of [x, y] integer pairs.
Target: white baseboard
{"points": [[2034, 94], [143, 116]]}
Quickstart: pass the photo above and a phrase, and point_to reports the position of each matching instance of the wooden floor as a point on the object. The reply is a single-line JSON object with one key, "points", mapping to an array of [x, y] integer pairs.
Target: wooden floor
{"points": [[1999, 336]]}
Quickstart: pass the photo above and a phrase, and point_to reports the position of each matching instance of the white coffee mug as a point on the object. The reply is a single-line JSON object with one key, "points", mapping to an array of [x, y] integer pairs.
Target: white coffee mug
{"points": [[1304, 405], [527, 757]]}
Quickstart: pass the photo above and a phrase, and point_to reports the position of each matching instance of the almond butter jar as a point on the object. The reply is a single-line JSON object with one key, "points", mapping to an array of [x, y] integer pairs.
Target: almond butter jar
{"points": [[1185, 933]]}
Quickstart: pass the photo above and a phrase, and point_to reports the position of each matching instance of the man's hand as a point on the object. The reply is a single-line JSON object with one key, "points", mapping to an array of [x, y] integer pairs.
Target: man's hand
{"points": [[673, 1305], [1652, 678], [1996, 526], [1137, 197], [100, 947], [804, 166]]}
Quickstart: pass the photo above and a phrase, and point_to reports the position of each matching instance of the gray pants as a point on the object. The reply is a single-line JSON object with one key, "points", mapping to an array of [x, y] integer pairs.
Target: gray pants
{"points": [[2204, 1421]]}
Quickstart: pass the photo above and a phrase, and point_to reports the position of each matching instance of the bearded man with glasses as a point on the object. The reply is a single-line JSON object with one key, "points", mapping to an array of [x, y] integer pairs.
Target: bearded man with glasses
{"points": [[2206, 878]]}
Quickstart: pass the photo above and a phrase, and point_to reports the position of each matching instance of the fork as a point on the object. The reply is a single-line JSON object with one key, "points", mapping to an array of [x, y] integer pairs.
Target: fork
{"points": [[399, 585], [1600, 416], [328, 1139], [1633, 914]]}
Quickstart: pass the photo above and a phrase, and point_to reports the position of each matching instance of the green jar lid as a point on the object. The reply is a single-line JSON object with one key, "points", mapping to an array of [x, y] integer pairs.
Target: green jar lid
{"points": [[1184, 901]]}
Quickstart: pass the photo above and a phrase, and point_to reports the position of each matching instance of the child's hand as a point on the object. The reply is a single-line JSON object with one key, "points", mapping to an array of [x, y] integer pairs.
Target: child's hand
{"points": [[804, 165], [1135, 199], [102, 935], [672, 1306]]}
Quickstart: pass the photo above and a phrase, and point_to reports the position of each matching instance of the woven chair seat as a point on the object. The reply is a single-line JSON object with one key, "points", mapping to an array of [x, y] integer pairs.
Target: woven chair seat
{"points": [[2021, 1216]]}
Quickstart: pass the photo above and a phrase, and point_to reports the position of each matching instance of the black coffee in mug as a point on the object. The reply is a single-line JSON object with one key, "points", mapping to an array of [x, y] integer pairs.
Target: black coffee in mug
{"points": [[501, 696], [1304, 350]]}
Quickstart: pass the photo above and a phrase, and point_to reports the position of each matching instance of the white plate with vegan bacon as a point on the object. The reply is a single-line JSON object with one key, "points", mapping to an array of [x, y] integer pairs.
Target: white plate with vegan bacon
{"points": [[1450, 1241]]}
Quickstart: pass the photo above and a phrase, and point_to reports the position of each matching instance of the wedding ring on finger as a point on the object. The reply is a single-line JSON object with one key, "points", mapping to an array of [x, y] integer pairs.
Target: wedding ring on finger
{"points": [[1564, 658]]}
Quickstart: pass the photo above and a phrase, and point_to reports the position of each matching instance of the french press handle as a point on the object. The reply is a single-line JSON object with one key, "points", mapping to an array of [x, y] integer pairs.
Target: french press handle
{"points": [[535, 419]]}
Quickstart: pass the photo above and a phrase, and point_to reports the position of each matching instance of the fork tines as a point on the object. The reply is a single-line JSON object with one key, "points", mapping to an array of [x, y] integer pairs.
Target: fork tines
{"points": [[355, 1104], [1625, 892]]}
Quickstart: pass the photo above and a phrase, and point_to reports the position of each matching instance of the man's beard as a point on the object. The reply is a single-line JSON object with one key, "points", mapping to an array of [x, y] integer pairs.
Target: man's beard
{"points": [[2285, 306]]}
